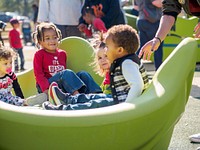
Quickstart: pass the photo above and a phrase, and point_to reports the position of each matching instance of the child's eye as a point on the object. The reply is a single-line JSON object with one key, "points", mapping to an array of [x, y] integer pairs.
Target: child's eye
{"points": [[99, 58], [47, 38]]}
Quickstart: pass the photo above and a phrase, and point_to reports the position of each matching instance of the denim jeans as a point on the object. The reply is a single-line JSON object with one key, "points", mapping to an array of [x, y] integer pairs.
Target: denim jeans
{"points": [[21, 56], [147, 31], [88, 101], [70, 82]]}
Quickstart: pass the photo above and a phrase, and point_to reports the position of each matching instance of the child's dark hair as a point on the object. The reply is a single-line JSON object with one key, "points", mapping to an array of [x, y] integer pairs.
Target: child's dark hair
{"points": [[87, 10], [6, 52], [125, 36], [38, 35]]}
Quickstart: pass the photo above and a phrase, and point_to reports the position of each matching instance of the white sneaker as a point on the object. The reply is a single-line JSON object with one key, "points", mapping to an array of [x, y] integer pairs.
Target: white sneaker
{"points": [[195, 138], [36, 99], [198, 148]]}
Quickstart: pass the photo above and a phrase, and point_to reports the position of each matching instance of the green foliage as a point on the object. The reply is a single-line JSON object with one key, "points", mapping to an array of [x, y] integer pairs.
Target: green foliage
{"points": [[22, 7]]}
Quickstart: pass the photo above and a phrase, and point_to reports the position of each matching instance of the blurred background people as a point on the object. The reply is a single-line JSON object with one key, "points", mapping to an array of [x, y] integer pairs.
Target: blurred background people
{"points": [[108, 10], [147, 23], [64, 14], [16, 44]]}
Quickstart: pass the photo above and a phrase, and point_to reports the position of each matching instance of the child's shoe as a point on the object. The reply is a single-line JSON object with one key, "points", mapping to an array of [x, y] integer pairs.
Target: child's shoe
{"points": [[36, 99], [48, 106], [50, 92], [195, 138], [59, 96]]}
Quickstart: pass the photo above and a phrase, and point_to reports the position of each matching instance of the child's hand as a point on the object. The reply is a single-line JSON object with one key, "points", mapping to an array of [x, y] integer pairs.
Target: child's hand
{"points": [[82, 27]]}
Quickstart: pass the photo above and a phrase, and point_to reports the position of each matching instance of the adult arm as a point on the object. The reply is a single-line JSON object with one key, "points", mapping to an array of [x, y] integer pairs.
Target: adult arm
{"points": [[171, 9], [165, 26], [133, 76]]}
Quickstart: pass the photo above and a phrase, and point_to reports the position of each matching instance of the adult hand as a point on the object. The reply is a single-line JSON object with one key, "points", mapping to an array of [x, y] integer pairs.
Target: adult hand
{"points": [[82, 27], [149, 48], [197, 31]]}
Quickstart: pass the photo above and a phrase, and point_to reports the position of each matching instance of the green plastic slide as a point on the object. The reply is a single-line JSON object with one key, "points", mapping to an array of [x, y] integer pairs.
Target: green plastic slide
{"points": [[145, 123]]}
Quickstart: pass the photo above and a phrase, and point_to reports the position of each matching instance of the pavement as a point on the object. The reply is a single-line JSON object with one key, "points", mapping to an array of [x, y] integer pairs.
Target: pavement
{"points": [[189, 123]]}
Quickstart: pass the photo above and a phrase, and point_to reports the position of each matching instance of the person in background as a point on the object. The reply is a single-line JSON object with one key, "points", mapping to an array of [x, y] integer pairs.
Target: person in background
{"points": [[128, 78], [35, 13], [16, 43], [108, 10], [64, 14], [94, 24], [8, 81], [170, 11], [148, 26]]}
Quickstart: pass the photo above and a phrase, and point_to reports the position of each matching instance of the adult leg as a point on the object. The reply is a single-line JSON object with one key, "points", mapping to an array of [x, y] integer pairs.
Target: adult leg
{"points": [[143, 27]]}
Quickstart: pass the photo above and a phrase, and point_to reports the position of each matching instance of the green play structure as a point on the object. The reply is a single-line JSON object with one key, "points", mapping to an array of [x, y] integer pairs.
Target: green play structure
{"points": [[145, 123]]}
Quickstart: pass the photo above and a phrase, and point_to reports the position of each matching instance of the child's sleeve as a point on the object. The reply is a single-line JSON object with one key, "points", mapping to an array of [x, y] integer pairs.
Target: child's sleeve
{"points": [[16, 86], [99, 25], [88, 32], [39, 73], [133, 76]]}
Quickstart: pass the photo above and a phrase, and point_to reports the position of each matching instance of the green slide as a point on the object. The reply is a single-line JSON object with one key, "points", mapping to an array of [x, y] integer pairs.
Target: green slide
{"points": [[145, 123]]}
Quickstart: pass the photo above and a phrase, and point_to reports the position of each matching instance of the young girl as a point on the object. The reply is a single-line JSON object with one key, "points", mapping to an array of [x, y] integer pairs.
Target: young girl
{"points": [[50, 64], [8, 80], [94, 24]]}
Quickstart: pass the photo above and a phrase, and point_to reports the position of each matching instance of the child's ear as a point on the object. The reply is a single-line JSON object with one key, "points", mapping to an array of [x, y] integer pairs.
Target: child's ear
{"points": [[120, 50]]}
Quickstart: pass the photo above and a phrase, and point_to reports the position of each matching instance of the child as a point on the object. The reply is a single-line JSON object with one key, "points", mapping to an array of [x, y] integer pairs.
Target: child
{"points": [[128, 78], [94, 23], [50, 64], [101, 63], [8, 80], [16, 43]]}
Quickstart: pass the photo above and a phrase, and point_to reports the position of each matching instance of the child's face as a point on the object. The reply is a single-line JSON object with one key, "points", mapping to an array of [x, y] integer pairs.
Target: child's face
{"points": [[5, 66], [112, 49], [102, 59], [16, 25], [87, 18], [50, 40]]}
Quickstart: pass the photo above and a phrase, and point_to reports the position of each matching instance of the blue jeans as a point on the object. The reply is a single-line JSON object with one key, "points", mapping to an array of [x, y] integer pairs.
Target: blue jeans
{"points": [[70, 82], [88, 101], [21, 56], [147, 31]]}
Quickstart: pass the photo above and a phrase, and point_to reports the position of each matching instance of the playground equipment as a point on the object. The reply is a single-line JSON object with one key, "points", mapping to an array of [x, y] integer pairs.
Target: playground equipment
{"points": [[144, 123]]}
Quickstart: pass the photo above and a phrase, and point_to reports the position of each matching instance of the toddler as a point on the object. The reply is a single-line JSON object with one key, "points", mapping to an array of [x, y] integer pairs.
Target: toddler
{"points": [[16, 43], [8, 80], [94, 24]]}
